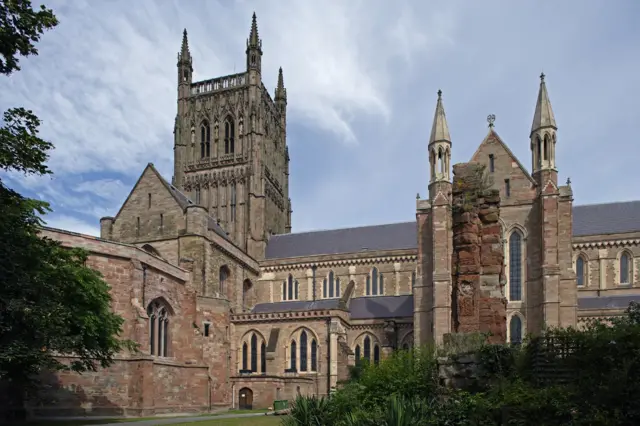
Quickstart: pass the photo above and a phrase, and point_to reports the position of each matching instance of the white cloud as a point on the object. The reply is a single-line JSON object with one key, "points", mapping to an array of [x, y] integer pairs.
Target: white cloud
{"points": [[361, 78], [72, 224]]}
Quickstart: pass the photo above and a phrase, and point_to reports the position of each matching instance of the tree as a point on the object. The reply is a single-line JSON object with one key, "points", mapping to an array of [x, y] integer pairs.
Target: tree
{"points": [[51, 303]]}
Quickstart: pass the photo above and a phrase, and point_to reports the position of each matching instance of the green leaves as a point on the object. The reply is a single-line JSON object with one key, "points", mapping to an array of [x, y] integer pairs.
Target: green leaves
{"points": [[20, 147], [20, 28]]}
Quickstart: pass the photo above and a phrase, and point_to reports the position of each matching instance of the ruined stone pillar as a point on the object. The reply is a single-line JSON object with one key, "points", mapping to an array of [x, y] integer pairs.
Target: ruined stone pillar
{"points": [[478, 302]]}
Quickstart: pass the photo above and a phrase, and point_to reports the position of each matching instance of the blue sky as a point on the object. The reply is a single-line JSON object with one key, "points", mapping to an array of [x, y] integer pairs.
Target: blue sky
{"points": [[361, 80]]}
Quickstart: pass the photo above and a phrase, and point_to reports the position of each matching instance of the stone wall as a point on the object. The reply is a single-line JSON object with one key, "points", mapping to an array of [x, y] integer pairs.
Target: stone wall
{"points": [[478, 302]]}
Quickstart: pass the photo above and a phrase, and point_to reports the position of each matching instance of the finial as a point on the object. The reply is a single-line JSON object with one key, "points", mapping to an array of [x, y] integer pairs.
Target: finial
{"points": [[439, 94], [491, 118], [418, 196], [568, 181], [542, 77]]}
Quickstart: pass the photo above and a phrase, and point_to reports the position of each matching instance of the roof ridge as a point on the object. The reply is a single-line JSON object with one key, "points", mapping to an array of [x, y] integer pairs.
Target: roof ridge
{"points": [[344, 228], [607, 203]]}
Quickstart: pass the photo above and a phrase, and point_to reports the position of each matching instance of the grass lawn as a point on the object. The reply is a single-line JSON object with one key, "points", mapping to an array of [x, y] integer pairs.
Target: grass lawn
{"points": [[241, 421], [89, 421]]}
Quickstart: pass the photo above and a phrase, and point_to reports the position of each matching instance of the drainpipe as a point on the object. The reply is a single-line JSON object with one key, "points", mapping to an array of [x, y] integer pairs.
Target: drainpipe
{"points": [[233, 396], [313, 270], [328, 354], [209, 393]]}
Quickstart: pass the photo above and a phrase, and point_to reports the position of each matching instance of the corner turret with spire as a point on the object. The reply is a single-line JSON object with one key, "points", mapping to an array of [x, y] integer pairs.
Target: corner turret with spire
{"points": [[254, 47], [543, 139], [439, 152]]}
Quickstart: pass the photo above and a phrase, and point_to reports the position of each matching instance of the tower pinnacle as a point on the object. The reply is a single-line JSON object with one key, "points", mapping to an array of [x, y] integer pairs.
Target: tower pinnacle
{"points": [[543, 116], [184, 50], [440, 128], [281, 92], [253, 35]]}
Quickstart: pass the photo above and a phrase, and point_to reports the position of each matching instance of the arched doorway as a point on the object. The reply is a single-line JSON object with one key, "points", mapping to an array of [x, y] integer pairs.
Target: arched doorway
{"points": [[245, 399]]}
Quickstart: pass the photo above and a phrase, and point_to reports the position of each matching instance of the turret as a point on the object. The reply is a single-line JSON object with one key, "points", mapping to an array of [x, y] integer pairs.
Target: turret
{"points": [[254, 48], [543, 139], [440, 152]]}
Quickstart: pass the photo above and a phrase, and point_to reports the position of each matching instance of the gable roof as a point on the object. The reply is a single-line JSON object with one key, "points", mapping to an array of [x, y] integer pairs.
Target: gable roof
{"points": [[494, 135], [182, 200], [392, 236], [594, 219]]}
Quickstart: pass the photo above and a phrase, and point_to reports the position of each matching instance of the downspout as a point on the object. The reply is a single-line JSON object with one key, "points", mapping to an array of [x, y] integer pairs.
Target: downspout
{"points": [[209, 393], [233, 396], [328, 352], [313, 279]]}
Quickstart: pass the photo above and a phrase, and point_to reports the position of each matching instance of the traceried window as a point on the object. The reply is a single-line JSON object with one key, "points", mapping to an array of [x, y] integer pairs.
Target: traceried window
{"points": [[515, 266], [229, 136], [290, 289], [252, 360], [224, 276], [205, 140], [331, 286], [375, 283], [158, 313]]}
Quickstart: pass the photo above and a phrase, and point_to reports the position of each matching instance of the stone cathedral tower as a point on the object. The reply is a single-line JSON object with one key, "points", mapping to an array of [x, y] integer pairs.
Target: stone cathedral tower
{"points": [[230, 152]]}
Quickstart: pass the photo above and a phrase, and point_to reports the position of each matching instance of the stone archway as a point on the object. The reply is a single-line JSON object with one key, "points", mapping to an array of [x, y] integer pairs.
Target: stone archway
{"points": [[245, 399]]}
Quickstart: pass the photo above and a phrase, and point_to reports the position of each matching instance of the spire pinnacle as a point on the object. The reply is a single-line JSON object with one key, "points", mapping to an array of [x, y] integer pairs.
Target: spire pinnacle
{"points": [[253, 35], [281, 92], [440, 128], [543, 116], [184, 50]]}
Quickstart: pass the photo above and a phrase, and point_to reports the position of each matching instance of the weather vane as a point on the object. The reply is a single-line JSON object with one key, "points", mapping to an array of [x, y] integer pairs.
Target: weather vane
{"points": [[491, 118]]}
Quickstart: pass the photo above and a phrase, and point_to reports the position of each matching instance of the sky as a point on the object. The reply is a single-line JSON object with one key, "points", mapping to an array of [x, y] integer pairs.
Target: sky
{"points": [[361, 79]]}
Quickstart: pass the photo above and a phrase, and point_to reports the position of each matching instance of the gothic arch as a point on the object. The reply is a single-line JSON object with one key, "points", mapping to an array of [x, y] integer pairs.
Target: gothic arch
{"points": [[511, 326], [223, 278], [151, 250], [160, 323], [166, 301], [619, 267], [246, 336], [581, 280], [407, 340], [295, 334], [516, 226], [251, 354]]}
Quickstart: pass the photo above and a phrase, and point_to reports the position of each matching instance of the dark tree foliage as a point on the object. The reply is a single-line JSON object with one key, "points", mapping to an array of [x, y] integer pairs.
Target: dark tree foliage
{"points": [[51, 303]]}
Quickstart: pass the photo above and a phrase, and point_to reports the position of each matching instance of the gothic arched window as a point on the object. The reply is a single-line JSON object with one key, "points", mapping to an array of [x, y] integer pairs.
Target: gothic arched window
{"points": [[254, 353], [290, 289], [331, 286], [158, 328], [263, 358], [376, 354], [245, 356], [581, 271], [224, 275], [303, 351], [515, 266], [515, 329], [375, 283], [314, 355], [367, 348], [197, 195], [357, 351], [205, 139], [625, 268], [229, 136]]}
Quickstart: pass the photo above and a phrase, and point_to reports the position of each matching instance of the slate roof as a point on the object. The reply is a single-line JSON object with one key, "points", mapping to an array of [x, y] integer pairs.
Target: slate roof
{"points": [[349, 240], [295, 306], [381, 307], [607, 302], [610, 218], [593, 219]]}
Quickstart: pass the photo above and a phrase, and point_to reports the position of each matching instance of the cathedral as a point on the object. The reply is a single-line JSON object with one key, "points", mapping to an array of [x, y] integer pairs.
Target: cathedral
{"points": [[233, 309]]}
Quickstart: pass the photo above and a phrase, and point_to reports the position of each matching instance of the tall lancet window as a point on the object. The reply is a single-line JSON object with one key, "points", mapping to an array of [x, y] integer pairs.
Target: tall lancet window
{"points": [[158, 313], [205, 139], [229, 136], [515, 266]]}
